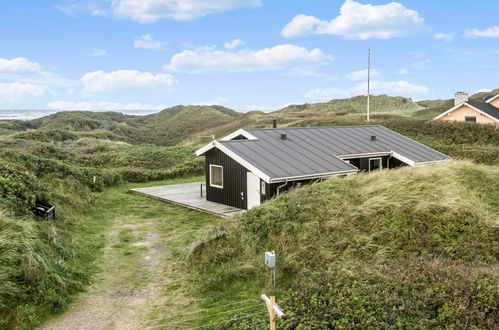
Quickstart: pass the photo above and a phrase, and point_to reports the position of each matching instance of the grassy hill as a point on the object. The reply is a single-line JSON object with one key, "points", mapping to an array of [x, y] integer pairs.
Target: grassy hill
{"points": [[166, 128], [357, 104], [406, 248], [55, 158], [171, 126]]}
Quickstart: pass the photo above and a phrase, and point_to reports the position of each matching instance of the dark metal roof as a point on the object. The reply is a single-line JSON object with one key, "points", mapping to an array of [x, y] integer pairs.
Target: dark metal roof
{"points": [[488, 97], [486, 108], [315, 151]]}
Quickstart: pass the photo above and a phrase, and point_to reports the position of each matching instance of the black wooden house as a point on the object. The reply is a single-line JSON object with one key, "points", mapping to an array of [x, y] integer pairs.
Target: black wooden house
{"points": [[250, 166]]}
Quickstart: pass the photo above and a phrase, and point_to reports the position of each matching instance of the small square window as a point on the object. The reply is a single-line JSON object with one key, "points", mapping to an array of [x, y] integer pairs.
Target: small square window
{"points": [[375, 164], [471, 119], [216, 176]]}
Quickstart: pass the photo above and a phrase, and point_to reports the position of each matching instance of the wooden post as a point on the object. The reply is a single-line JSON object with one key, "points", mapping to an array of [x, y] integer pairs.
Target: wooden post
{"points": [[273, 309]]}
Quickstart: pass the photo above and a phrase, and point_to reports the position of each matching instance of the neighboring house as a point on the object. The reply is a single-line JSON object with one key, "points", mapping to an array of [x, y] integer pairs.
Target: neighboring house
{"points": [[483, 112], [250, 166]]}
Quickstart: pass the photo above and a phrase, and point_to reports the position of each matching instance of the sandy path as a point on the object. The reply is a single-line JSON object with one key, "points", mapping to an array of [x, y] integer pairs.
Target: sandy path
{"points": [[137, 265]]}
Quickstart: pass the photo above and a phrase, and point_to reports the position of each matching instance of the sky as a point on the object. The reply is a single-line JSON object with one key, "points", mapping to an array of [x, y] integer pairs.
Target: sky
{"points": [[242, 54]]}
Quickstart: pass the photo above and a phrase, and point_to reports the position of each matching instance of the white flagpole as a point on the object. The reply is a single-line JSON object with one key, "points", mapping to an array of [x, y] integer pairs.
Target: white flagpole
{"points": [[368, 80]]}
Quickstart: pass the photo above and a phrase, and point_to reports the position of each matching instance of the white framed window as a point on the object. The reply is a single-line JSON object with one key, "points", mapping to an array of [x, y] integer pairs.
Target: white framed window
{"points": [[262, 188], [216, 176], [375, 164]]}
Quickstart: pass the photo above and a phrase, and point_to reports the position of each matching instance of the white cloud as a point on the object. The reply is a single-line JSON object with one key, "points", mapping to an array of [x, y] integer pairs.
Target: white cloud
{"points": [[491, 32], [18, 64], [103, 82], [99, 52], [150, 11], [444, 36], [358, 21], [24, 71], [302, 25], [93, 7], [483, 90], [12, 92], [38, 78], [264, 107], [403, 71], [102, 105], [362, 75], [400, 87], [325, 94], [146, 41], [211, 60], [215, 101], [233, 44]]}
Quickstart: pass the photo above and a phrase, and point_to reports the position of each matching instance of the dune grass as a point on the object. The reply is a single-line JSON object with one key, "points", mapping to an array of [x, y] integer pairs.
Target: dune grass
{"points": [[411, 248], [44, 264]]}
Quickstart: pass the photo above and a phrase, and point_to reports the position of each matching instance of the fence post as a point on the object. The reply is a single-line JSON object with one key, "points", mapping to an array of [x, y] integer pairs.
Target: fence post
{"points": [[273, 309]]}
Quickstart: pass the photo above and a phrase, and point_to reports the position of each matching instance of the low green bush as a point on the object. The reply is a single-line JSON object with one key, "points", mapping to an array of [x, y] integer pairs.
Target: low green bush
{"points": [[57, 135], [19, 189], [480, 154], [444, 132], [400, 293]]}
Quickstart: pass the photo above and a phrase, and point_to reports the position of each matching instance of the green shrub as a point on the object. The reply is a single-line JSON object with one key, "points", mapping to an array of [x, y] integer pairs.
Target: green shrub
{"points": [[480, 154], [46, 135], [400, 293], [18, 189], [444, 132]]}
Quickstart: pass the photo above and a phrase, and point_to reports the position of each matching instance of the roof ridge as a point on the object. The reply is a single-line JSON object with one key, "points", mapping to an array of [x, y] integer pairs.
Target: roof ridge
{"points": [[313, 127], [239, 140]]}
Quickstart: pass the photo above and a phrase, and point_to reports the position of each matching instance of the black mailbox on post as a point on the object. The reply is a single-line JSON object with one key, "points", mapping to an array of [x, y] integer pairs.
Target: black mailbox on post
{"points": [[44, 210]]}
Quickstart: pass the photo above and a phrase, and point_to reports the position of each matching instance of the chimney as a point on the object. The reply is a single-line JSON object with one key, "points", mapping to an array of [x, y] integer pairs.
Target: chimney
{"points": [[460, 97], [373, 137], [284, 136], [274, 123]]}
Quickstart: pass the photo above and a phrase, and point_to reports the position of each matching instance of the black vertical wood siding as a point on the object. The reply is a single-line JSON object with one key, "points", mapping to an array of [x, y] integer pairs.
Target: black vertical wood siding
{"points": [[234, 190], [234, 176]]}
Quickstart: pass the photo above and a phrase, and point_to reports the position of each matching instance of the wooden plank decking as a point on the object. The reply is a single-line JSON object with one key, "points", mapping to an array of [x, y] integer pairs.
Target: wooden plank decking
{"points": [[187, 195]]}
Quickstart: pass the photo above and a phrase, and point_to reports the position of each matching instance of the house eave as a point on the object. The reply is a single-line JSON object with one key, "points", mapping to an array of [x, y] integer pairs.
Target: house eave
{"points": [[464, 104], [201, 151], [312, 176], [234, 156], [492, 99], [369, 154], [240, 131]]}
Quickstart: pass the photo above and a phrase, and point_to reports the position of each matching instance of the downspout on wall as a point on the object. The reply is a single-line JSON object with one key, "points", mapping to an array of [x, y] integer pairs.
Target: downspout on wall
{"points": [[281, 186]]}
